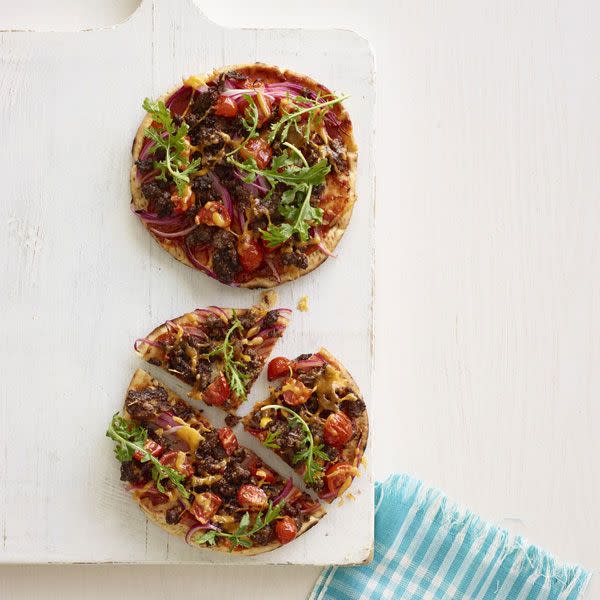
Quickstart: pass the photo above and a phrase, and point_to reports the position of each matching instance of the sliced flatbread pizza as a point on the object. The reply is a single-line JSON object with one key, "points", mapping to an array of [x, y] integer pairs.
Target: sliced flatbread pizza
{"points": [[315, 419], [197, 482], [218, 351], [246, 174]]}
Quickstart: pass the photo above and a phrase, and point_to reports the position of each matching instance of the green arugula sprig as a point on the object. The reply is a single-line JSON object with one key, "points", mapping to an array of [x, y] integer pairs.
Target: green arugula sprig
{"points": [[130, 439], [242, 536], [295, 206], [311, 451], [175, 163], [236, 378], [250, 123], [270, 440], [314, 110]]}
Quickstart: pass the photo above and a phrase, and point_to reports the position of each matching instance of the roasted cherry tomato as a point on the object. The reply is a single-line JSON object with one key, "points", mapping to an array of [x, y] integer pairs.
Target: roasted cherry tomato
{"points": [[264, 474], [295, 392], [228, 440], [205, 506], [226, 107], [286, 529], [338, 429], [213, 214], [258, 149], [278, 367], [217, 392], [250, 252], [252, 497], [339, 476], [150, 446], [178, 461]]}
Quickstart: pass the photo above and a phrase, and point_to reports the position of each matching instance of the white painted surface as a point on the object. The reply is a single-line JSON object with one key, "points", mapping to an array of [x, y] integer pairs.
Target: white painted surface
{"points": [[487, 275], [86, 279]]}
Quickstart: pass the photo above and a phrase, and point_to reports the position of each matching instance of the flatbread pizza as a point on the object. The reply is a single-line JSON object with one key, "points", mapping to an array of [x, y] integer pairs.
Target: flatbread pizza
{"points": [[315, 419], [246, 174], [197, 482], [218, 351]]}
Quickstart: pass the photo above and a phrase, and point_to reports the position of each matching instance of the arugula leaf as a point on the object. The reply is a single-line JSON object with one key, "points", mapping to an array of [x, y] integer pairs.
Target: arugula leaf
{"points": [[242, 536], [270, 440], [176, 162], [298, 108], [130, 439], [300, 179], [232, 368], [314, 470], [250, 123]]}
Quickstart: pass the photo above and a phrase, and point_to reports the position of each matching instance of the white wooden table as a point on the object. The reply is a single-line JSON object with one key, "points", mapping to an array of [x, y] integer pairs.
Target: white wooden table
{"points": [[488, 305]]}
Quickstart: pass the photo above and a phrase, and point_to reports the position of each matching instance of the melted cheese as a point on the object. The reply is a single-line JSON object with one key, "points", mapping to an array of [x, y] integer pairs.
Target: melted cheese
{"points": [[188, 434], [303, 304]]}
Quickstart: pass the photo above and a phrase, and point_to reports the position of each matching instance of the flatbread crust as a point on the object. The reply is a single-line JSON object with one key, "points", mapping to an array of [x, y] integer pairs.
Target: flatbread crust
{"points": [[336, 231], [142, 379]]}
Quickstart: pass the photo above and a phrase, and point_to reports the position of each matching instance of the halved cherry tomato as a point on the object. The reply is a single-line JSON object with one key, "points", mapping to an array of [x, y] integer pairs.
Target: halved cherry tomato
{"points": [[226, 107], [338, 429], [258, 149], [278, 367], [286, 529], [295, 392], [213, 214], [150, 446], [228, 440], [205, 506], [251, 254], [264, 474], [180, 463], [339, 476], [252, 497], [217, 392]]}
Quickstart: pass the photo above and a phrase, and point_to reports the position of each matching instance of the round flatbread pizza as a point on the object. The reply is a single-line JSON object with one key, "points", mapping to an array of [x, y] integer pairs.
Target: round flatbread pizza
{"points": [[197, 481], [246, 174], [315, 419]]}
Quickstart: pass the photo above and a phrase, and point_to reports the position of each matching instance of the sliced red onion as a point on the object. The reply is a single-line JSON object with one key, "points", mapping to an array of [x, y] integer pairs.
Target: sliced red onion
{"points": [[196, 263], [321, 246], [177, 96], [223, 192], [139, 341], [287, 312], [165, 420], [194, 530], [195, 331], [145, 150], [310, 363], [174, 234], [265, 333], [219, 312], [172, 326], [329, 496], [310, 509], [322, 358], [260, 183], [149, 217], [284, 492], [271, 266], [147, 177]]}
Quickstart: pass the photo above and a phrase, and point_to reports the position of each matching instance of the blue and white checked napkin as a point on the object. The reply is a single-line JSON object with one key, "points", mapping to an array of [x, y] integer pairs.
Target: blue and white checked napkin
{"points": [[428, 549]]}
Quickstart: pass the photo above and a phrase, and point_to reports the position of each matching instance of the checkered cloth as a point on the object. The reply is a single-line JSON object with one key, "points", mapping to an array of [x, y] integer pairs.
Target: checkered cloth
{"points": [[426, 549]]}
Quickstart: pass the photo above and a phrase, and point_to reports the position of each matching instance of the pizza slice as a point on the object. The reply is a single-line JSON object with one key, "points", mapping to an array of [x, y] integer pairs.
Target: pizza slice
{"points": [[197, 482], [218, 351], [315, 419]]}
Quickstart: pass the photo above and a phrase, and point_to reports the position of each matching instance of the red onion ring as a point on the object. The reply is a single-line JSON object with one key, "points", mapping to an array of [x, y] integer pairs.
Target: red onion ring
{"points": [[165, 420], [321, 246], [173, 234], [310, 363], [223, 192], [271, 266], [136, 344], [197, 264], [149, 217], [284, 492], [219, 312], [194, 530]]}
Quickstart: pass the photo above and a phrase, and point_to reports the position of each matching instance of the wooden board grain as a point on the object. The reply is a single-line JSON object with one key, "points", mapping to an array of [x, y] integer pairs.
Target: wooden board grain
{"points": [[82, 278]]}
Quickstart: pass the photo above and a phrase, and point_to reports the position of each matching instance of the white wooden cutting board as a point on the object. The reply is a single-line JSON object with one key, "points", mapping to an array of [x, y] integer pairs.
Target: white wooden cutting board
{"points": [[81, 278]]}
